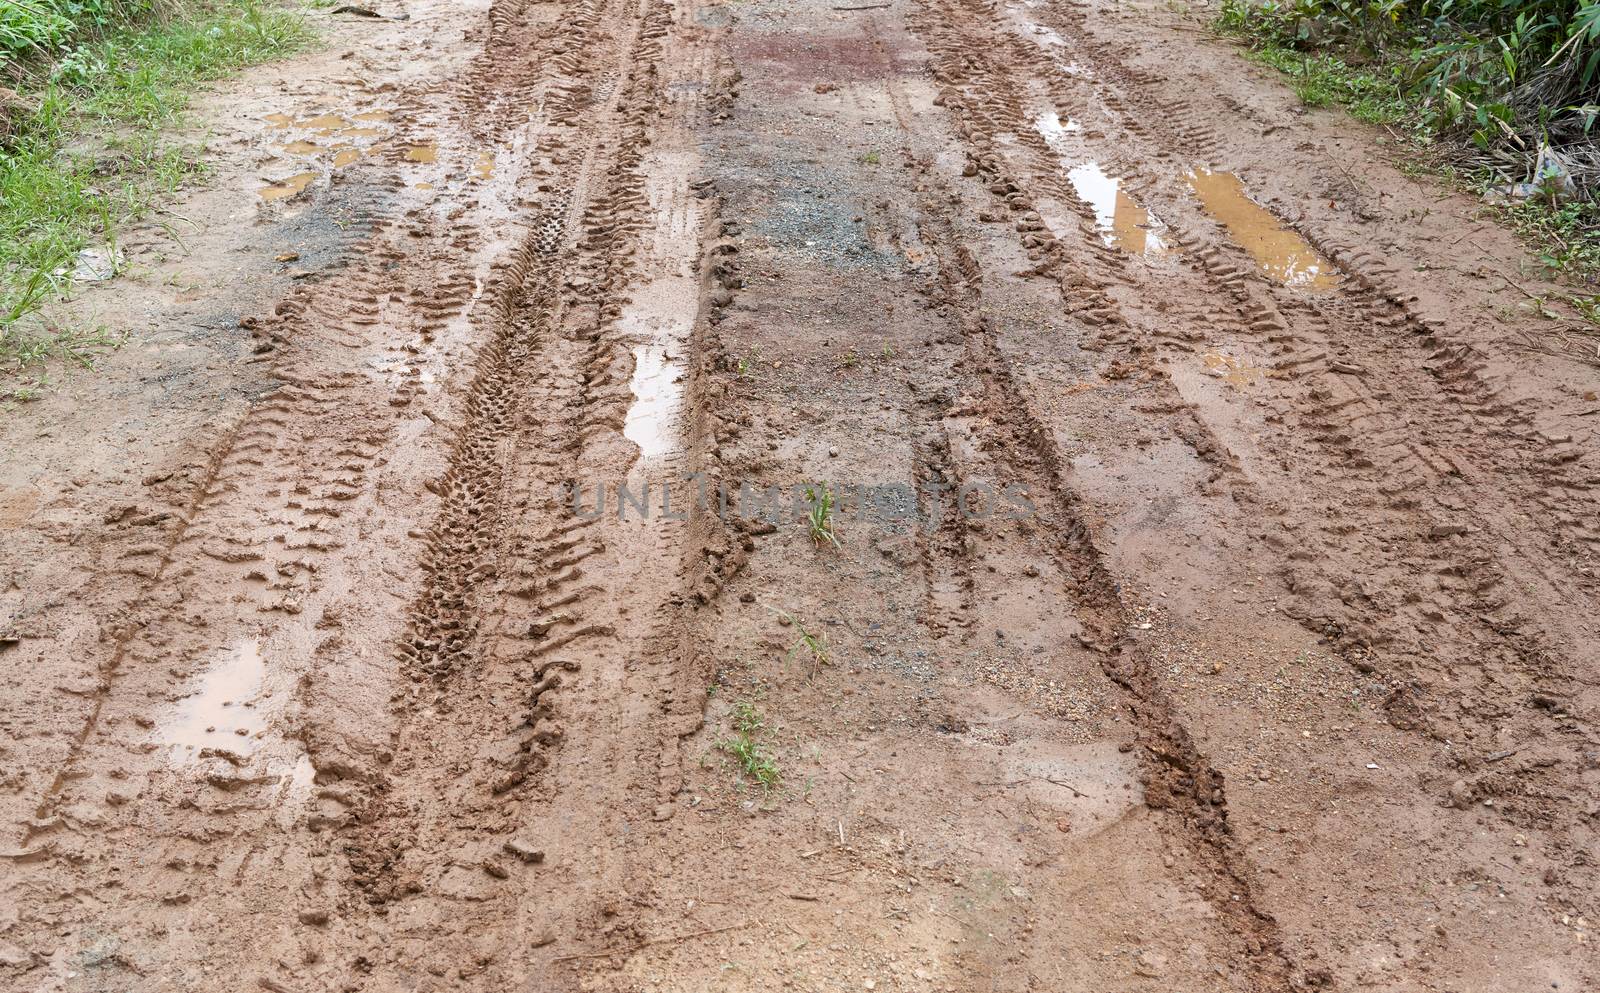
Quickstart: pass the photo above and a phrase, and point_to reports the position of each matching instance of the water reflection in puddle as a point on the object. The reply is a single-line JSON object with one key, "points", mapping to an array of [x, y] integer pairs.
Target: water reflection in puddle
{"points": [[658, 389], [1054, 129], [483, 169], [1123, 223], [1280, 252], [325, 122], [1234, 371], [230, 708]]}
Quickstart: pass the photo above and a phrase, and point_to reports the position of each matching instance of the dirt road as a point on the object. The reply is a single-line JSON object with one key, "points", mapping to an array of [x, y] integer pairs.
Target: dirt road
{"points": [[1210, 602]]}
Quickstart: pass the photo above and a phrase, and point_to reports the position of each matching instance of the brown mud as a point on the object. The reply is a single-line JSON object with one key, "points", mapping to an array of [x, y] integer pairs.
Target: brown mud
{"points": [[1209, 603]]}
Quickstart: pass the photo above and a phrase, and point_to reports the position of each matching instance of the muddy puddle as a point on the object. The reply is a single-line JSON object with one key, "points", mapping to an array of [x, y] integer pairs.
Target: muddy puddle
{"points": [[1054, 130], [658, 392], [230, 708], [353, 137], [483, 168], [231, 716], [1123, 223], [293, 186], [1231, 370], [1278, 250]]}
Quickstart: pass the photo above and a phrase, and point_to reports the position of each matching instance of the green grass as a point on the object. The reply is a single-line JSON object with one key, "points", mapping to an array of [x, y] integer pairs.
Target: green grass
{"points": [[750, 755], [98, 151], [1564, 235], [1321, 80]]}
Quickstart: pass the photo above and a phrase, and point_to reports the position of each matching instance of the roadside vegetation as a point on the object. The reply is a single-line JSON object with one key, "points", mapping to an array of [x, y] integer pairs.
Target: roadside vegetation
{"points": [[91, 94], [1502, 93]]}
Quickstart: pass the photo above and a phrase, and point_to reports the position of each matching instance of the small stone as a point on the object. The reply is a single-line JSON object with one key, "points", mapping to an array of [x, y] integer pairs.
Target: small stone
{"points": [[315, 918], [525, 851], [13, 956]]}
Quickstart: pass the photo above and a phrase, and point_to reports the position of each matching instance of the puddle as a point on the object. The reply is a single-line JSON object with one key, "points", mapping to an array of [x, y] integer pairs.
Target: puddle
{"points": [[1054, 129], [346, 148], [657, 388], [424, 186], [1232, 370], [229, 710], [293, 186], [1279, 251], [1049, 35], [483, 169], [325, 122], [423, 153], [1122, 222]]}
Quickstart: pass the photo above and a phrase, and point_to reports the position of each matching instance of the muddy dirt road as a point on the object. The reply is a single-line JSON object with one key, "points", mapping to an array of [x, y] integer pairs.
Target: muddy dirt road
{"points": [[1210, 603]]}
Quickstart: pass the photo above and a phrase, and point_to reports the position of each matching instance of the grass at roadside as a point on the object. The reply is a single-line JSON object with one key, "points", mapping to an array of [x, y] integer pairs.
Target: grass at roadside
{"points": [[1379, 84], [89, 146]]}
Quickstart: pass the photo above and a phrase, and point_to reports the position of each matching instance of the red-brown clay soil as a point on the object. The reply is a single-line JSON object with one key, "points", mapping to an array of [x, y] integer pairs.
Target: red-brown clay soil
{"points": [[1211, 604]]}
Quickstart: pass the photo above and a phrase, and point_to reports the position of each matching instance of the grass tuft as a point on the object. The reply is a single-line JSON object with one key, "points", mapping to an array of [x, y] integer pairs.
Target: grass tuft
{"points": [[751, 756], [819, 516], [814, 644]]}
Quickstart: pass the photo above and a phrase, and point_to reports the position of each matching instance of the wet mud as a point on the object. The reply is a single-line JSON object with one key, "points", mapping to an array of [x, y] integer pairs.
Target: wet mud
{"points": [[1189, 583]]}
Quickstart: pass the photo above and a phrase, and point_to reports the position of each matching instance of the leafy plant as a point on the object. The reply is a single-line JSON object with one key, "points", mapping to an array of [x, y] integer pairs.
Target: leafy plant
{"points": [[815, 644], [819, 515], [752, 757]]}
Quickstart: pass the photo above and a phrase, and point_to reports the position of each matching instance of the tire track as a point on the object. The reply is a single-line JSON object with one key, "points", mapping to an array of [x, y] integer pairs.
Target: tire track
{"points": [[1404, 482]]}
